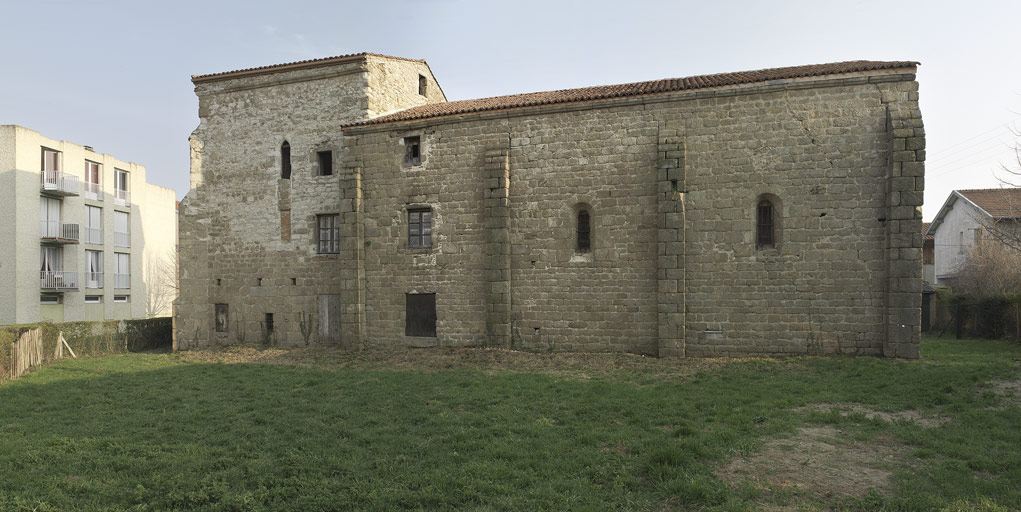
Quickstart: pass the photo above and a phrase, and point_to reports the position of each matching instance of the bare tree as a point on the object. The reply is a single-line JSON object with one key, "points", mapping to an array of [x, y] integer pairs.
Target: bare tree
{"points": [[1005, 228], [160, 284], [990, 269]]}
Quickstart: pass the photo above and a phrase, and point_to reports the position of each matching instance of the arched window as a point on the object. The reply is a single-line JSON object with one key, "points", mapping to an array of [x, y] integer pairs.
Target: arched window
{"points": [[765, 233], [584, 231], [285, 161]]}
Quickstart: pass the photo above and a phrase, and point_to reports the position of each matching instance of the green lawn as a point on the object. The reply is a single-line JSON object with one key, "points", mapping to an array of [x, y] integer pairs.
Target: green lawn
{"points": [[162, 432]]}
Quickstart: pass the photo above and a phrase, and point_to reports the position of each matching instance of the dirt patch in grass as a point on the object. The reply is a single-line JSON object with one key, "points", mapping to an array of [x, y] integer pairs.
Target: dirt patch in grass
{"points": [[915, 417], [817, 462], [579, 365], [1008, 390]]}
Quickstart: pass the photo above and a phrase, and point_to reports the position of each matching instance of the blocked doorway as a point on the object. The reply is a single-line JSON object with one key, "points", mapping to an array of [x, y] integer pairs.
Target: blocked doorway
{"points": [[329, 319]]}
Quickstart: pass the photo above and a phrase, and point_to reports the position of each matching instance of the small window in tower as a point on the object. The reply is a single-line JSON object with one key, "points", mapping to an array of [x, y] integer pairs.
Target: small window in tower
{"points": [[584, 231], [412, 150], [285, 161], [420, 228], [422, 85], [764, 225], [325, 163]]}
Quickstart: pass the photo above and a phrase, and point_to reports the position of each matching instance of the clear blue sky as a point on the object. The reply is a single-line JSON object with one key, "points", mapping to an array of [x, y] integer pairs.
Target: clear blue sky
{"points": [[116, 74]]}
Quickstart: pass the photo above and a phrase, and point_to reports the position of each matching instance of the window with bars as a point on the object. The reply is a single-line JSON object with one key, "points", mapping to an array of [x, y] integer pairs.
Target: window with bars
{"points": [[285, 160], [420, 228], [329, 233], [584, 231], [764, 225], [412, 150]]}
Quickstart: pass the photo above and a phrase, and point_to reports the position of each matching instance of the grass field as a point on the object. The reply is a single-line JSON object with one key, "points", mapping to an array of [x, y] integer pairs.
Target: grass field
{"points": [[496, 430]]}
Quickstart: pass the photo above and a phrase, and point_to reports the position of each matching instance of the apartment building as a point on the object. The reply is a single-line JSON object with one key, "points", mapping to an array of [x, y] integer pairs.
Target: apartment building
{"points": [[83, 235]]}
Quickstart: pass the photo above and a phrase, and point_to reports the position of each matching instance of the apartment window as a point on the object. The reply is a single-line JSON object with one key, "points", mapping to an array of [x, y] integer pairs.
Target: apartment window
{"points": [[584, 231], [94, 225], [122, 270], [93, 190], [52, 160], [93, 299], [412, 150], [49, 217], [420, 315], [420, 228], [93, 269], [121, 194], [51, 260], [121, 229], [285, 160], [49, 299], [222, 314], [329, 234], [422, 85], [122, 298], [325, 163]]}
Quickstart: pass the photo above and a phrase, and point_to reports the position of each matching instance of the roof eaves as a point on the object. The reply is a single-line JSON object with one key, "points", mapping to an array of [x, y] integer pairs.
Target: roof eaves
{"points": [[292, 66]]}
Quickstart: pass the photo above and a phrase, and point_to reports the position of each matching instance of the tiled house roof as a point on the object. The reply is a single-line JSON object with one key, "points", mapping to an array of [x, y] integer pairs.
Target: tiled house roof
{"points": [[925, 227], [999, 203], [634, 89], [291, 66]]}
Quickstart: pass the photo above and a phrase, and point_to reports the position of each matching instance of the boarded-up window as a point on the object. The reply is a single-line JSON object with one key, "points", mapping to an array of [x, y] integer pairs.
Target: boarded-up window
{"points": [[764, 236], [412, 150], [269, 323], [420, 228], [329, 319], [285, 161], [420, 315], [584, 231], [329, 234], [285, 225], [325, 163], [222, 318]]}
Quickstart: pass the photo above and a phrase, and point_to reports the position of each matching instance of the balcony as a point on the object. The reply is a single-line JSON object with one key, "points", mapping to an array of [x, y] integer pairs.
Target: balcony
{"points": [[121, 198], [122, 280], [93, 191], [94, 235], [55, 232], [93, 279], [58, 280], [56, 183], [121, 239]]}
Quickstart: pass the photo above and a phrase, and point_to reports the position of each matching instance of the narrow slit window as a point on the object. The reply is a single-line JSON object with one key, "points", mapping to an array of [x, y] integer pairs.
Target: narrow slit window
{"points": [[285, 161], [222, 317], [422, 85], [420, 228], [269, 323], [584, 231], [764, 225], [412, 150]]}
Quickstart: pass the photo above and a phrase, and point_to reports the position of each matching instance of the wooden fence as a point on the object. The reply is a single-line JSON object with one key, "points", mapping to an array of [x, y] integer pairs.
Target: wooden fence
{"points": [[27, 352]]}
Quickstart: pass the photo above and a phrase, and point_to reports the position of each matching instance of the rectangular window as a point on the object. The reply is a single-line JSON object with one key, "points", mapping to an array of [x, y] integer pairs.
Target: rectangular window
{"points": [[325, 163], [329, 234], [121, 229], [269, 323], [49, 217], [122, 298], [93, 190], [420, 315], [422, 85], [420, 228], [222, 317], [121, 195], [93, 269], [412, 150], [122, 270], [93, 299], [49, 299], [93, 225], [52, 160]]}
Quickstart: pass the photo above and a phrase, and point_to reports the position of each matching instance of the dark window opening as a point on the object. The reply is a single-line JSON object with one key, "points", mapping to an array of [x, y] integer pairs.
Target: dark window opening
{"points": [[222, 317], [584, 232], [218, 282], [294, 281], [420, 315], [325, 163], [764, 225], [258, 281], [412, 150], [420, 228], [422, 84], [285, 161], [329, 234], [269, 323]]}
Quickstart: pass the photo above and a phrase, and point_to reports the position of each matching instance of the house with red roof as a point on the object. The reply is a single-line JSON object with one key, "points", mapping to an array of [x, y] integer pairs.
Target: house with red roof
{"points": [[961, 224]]}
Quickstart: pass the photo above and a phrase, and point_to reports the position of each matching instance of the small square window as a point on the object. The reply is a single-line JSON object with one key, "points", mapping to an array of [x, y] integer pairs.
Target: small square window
{"points": [[420, 228], [122, 298], [93, 299], [420, 315], [412, 150], [328, 234], [325, 163]]}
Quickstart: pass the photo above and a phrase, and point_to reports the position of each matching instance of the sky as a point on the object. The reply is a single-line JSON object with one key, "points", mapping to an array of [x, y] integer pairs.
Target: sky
{"points": [[115, 74]]}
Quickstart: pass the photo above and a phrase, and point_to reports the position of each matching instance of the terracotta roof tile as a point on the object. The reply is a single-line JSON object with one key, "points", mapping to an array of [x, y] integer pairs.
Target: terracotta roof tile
{"points": [[925, 227], [301, 64], [632, 89], [1000, 203]]}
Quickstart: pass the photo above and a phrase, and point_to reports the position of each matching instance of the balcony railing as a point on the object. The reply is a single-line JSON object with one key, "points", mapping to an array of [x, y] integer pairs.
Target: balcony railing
{"points": [[58, 183], [122, 280], [93, 235], [93, 191], [58, 232], [121, 239], [121, 198], [58, 280], [93, 279]]}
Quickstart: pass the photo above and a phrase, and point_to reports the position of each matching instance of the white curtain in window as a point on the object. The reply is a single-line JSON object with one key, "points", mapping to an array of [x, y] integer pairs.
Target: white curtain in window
{"points": [[93, 217], [91, 172], [120, 181], [49, 216], [120, 222], [93, 262], [122, 263], [51, 259]]}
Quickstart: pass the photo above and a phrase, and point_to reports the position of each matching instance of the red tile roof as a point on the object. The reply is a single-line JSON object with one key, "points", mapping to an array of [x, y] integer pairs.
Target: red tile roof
{"points": [[999, 203], [925, 227], [633, 89], [291, 66]]}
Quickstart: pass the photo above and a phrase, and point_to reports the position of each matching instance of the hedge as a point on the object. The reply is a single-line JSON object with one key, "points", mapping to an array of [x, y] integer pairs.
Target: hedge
{"points": [[90, 338]]}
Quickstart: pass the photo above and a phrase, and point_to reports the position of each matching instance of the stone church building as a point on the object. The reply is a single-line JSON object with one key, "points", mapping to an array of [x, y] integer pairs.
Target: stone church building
{"points": [[345, 201]]}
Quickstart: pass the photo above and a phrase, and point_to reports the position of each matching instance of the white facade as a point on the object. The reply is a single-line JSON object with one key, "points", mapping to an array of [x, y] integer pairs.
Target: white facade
{"points": [[80, 233], [957, 229]]}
